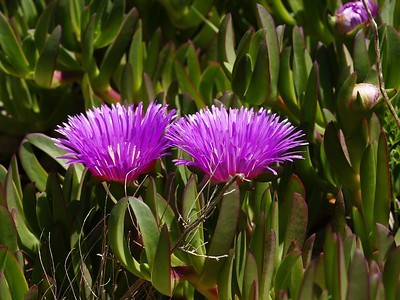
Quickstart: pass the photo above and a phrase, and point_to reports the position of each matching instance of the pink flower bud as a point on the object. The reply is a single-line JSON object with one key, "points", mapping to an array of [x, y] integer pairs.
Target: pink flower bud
{"points": [[369, 94], [353, 14]]}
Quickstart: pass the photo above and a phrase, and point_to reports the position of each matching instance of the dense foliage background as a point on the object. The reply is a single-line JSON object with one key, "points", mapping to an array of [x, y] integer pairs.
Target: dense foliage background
{"points": [[327, 227]]}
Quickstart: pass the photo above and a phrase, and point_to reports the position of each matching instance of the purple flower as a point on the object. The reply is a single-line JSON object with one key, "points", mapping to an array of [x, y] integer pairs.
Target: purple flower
{"points": [[117, 143], [224, 142], [353, 14]]}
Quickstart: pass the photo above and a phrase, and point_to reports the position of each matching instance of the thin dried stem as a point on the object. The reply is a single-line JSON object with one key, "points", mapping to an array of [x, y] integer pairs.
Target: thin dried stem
{"points": [[206, 213], [378, 63]]}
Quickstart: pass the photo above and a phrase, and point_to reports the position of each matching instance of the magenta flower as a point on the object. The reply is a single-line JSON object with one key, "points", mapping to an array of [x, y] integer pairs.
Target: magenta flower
{"points": [[224, 142], [117, 143], [353, 14]]}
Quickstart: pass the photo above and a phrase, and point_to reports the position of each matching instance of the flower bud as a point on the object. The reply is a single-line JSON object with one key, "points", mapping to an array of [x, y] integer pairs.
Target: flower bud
{"points": [[368, 94], [355, 103], [353, 14]]}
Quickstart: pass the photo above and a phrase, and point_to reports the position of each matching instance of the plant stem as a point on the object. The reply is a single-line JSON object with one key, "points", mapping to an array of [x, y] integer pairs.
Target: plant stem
{"points": [[206, 213], [379, 63]]}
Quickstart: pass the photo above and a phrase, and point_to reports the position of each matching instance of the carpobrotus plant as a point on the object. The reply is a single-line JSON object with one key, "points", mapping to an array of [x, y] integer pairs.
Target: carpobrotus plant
{"points": [[118, 143], [288, 188], [226, 142]]}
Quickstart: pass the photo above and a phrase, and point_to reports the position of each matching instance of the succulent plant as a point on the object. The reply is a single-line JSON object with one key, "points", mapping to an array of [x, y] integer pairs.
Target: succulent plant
{"points": [[282, 176]]}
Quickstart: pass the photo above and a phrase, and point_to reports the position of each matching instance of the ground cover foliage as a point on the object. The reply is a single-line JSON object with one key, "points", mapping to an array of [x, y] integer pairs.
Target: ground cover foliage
{"points": [[323, 224]]}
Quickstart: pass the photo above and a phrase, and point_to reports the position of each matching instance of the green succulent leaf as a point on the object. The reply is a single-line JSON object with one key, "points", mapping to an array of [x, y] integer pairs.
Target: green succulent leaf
{"points": [[335, 267], [260, 83], [307, 285], [46, 64], [187, 85], [13, 273], [391, 48], [294, 186], [368, 185], [263, 245], [310, 102], [91, 99], [240, 260], [302, 63], [383, 191], [117, 241], [149, 90], [14, 204], [297, 222], [76, 9], [384, 242], [241, 75], [42, 26], [266, 21], [153, 53], [148, 227], [213, 78], [358, 277], [161, 271], [63, 17], [337, 159], [225, 278], [282, 276], [286, 82], [56, 197], [250, 280], [360, 229], [224, 234], [226, 45], [112, 22], [191, 210], [391, 272], [8, 231], [29, 201], [193, 65], [44, 213], [31, 164], [11, 48], [126, 83], [5, 292], [86, 282], [88, 62], [362, 64], [187, 15], [135, 58], [116, 50], [279, 9]]}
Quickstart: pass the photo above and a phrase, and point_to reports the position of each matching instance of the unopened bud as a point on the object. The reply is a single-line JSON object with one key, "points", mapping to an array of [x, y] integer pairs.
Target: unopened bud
{"points": [[367, 93], [353, 14]]}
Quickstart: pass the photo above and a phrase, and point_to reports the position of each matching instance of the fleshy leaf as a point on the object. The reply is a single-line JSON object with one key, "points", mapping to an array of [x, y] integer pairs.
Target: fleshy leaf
{"points": [[11, 47], [10, 267], [226, 45], [161, 271], [8, 231], [224, 233], [391, 274], [117, 239], [31, 164], [46, 64], [358, 277], [383, 191]]}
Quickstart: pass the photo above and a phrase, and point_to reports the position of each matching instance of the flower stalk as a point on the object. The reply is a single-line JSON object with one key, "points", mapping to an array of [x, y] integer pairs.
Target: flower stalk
{"points": [[378, 63]]}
